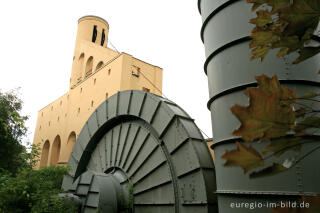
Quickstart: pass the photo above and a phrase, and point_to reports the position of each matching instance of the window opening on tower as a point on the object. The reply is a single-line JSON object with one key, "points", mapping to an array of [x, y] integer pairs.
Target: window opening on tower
{"points": [[94, 34], [103, 37]]}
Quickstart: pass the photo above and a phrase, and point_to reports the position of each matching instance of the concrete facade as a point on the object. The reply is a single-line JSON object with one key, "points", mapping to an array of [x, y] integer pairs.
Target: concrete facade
{"points": [[98, 72]]}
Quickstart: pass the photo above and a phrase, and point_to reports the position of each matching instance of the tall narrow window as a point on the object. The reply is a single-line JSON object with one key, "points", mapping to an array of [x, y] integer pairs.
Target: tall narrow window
{"points": [[103, 37], [80, 68], [94, 34]]}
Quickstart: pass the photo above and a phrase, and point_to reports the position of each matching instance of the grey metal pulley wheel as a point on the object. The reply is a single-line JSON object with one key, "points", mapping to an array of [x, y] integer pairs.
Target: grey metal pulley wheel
{"points": [[141, 153]]}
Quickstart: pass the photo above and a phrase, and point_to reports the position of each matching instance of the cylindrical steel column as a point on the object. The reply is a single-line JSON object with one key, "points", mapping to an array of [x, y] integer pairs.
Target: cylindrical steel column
{"points": [[225, 33]]}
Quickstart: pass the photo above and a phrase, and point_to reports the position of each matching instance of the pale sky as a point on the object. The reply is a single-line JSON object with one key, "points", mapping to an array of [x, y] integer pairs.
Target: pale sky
{"points": [[37, 42]]}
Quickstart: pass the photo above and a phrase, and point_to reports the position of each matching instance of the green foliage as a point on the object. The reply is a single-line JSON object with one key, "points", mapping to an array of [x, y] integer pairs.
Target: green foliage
{"points": [[23, 189], [34, 191], [12, 130], [285, 24]]}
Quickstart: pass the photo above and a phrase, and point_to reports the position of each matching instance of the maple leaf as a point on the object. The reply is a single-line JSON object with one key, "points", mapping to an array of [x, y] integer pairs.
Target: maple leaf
{"points": [[246, 157], [260, 52], [309, 95], [280, 145], [275, 4], [269, 114], [289, 44], [309, 122], [262, 37], [306, 53], [301, 112], [301, 16], [263, 18], [278, 4], [257, 3], [288, 26], [271, 170]]}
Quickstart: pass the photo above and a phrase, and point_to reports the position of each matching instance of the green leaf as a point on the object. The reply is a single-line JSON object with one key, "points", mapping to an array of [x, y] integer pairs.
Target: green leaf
{"points": [[301, 112], [301, 16], [269, 171], [289, 26], [291, 44], [12, 130], [306, 53], [275, 4], [246, 157], [280, 145], [259, 52], [262, 19], [309, 122], [310, 95], [278, 4], [256, 3], [282, 52], [267, 115], [261, 38]]}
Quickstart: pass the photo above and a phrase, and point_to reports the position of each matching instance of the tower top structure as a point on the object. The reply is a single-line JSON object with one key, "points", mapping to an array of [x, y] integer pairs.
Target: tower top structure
{"points": [[92, 34], [93, 29]]}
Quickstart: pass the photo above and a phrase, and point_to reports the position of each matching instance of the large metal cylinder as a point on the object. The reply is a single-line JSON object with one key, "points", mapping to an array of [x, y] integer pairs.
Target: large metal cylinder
{"points": [[225, 33]]}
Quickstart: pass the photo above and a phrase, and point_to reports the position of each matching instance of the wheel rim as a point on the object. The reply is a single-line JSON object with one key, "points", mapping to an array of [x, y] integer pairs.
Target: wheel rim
{"points": [[155, 145]]}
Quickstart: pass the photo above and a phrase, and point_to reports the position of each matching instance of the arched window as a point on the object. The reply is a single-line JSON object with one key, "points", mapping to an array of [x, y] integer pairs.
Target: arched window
{"points": [[45, 154], [70, 143], [80, 68], [55, 151], [89, 66], [99, 65]]}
